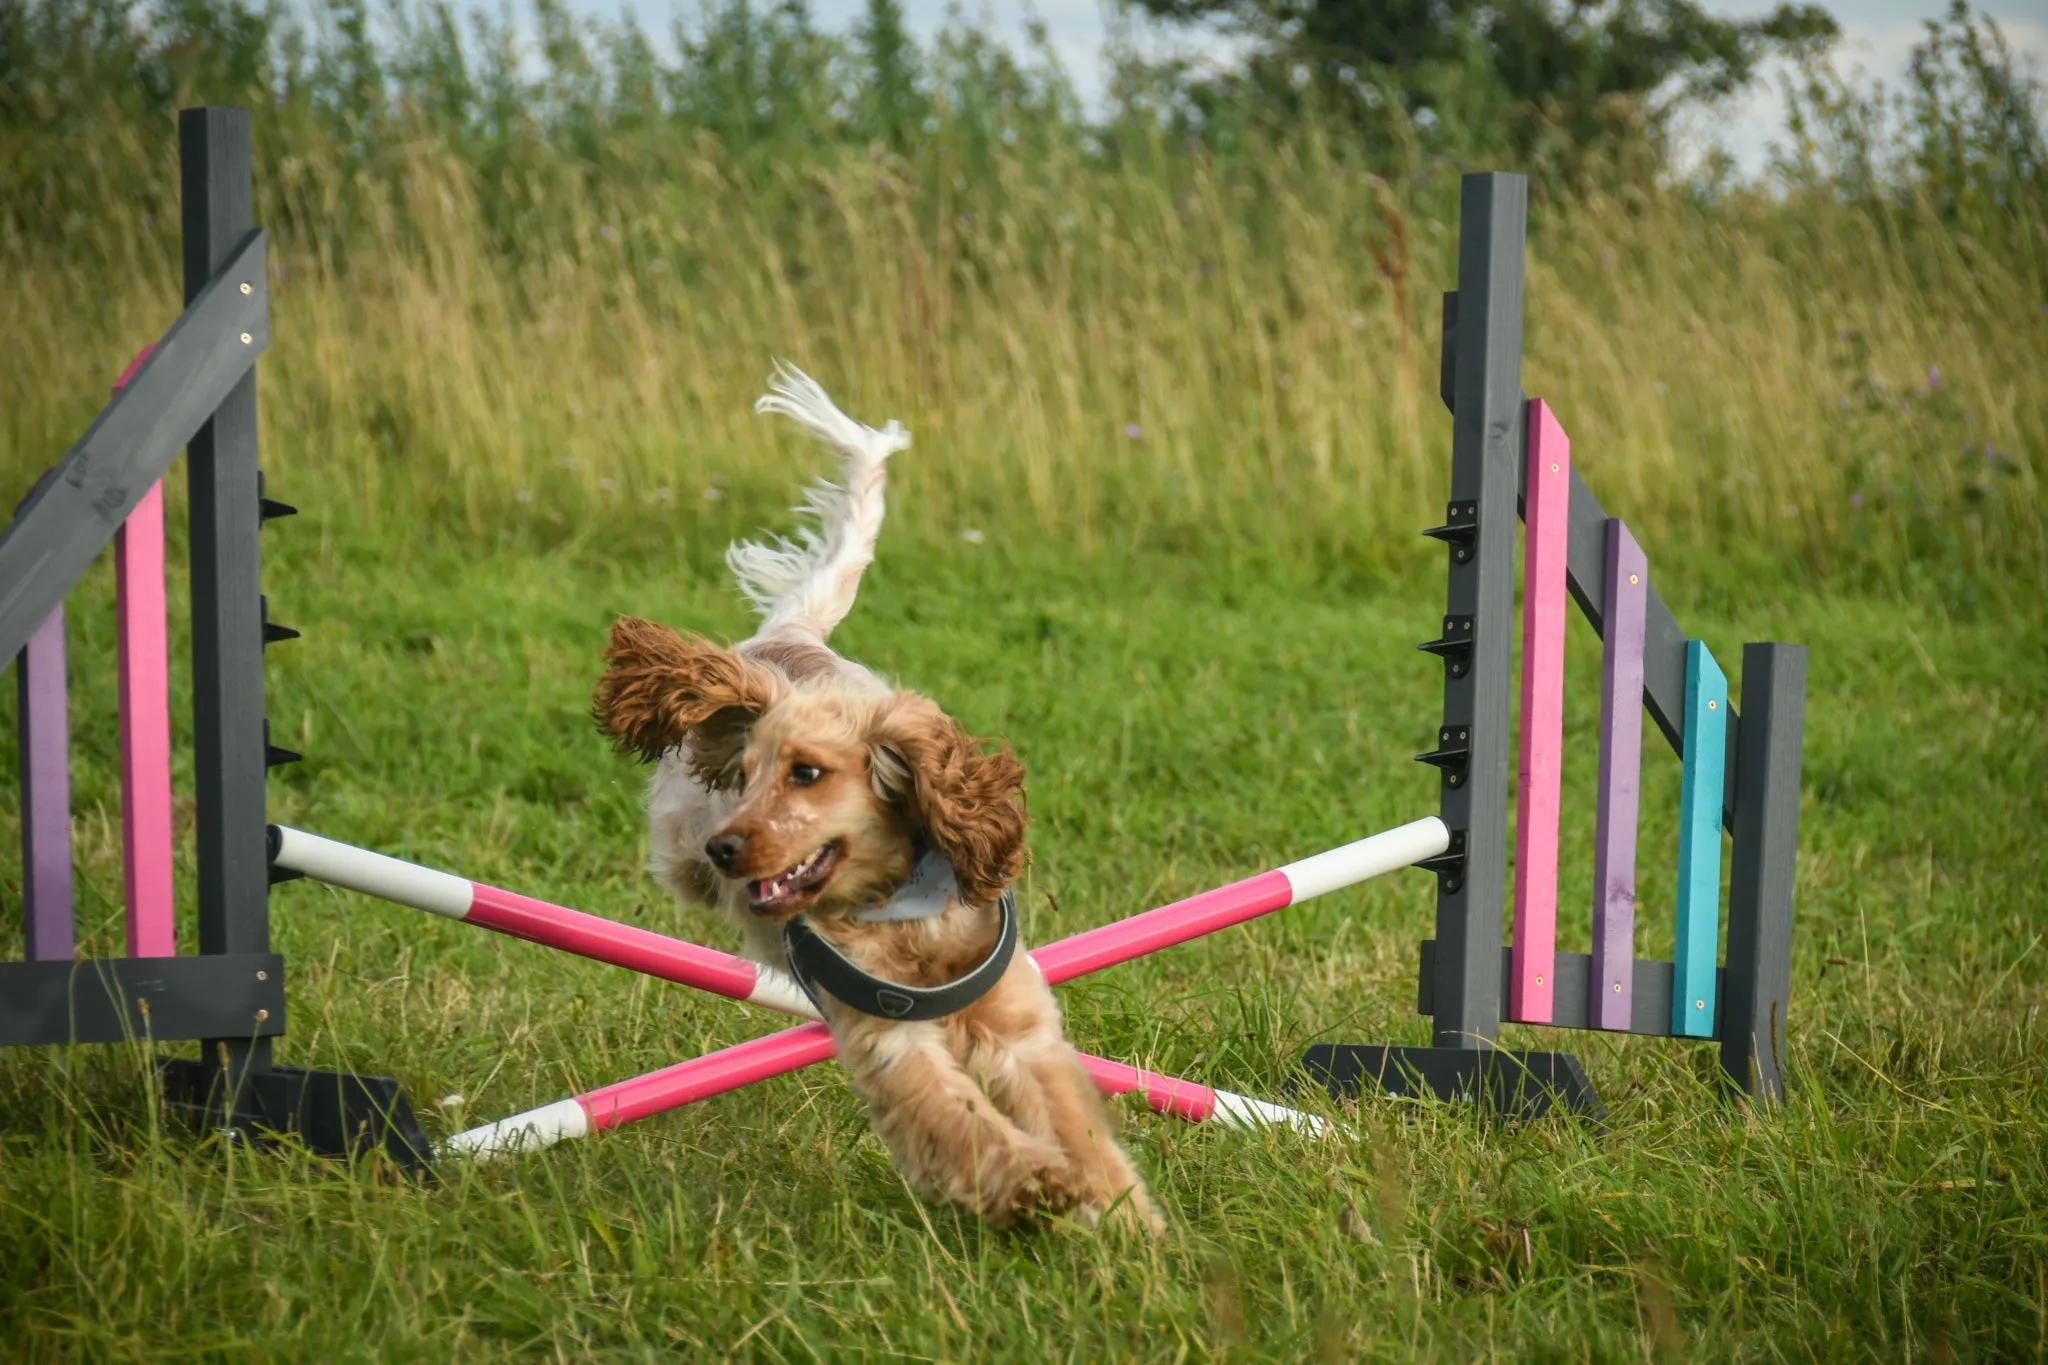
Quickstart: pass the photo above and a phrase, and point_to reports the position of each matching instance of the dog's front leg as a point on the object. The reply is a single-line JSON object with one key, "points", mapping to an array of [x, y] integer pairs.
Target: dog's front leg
{"points": [[948, 1139], [1074, 1110]]}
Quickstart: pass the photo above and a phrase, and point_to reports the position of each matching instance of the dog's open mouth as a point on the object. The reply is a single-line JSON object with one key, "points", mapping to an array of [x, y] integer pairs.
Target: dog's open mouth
{"points": [[797, 884]]}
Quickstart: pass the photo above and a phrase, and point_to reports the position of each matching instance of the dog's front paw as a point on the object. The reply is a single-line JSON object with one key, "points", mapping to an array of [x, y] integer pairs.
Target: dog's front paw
{"points": [[1132, 1212], [1015, 1184], [1057, 1188], [1067, 1191]]}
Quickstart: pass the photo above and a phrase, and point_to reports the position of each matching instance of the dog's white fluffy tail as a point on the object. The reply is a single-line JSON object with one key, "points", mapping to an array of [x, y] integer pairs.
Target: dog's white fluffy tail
{"points": [[809, 585]]}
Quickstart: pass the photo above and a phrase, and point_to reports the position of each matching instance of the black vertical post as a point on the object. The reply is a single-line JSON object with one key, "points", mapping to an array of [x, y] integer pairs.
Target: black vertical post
{"points": [[218, 193], [1486, 440], [1764, 868], [1459, 984]]}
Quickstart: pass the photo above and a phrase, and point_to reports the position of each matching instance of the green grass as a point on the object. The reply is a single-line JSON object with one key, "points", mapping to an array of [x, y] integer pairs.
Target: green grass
{"points": [[1186, 719]]}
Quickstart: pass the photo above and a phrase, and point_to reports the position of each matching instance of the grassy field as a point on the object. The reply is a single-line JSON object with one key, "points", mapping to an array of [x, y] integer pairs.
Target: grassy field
{"points": [[1175, 436], [1211, 725]]}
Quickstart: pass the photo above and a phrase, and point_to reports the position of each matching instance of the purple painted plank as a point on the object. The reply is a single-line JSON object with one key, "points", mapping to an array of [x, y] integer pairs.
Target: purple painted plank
{"points": [[1621, 762], [45, 735], [43, 728]]}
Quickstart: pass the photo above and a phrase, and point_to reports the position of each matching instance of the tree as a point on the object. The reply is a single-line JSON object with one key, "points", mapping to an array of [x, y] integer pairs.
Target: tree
{"points": [[892, 102], [1583, 68]]}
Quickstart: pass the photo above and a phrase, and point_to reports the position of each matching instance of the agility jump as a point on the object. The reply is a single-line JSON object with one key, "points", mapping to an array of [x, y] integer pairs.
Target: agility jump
{"points": [[1510, 457], [737, 978], [194, 389]]}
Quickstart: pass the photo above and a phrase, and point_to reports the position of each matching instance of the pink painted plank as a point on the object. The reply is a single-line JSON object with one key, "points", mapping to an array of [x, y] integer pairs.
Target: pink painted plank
{"points": [[1532, 963], [1611, 981], [145, 721], [133, 366]]}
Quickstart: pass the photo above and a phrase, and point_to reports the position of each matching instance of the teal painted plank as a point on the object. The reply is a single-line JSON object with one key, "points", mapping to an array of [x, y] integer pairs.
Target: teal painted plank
{"points": [[1699, 844]]}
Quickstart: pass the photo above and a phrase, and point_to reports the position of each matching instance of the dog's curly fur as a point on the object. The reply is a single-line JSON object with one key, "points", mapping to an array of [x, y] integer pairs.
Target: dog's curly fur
{"points": [[817, 785]]}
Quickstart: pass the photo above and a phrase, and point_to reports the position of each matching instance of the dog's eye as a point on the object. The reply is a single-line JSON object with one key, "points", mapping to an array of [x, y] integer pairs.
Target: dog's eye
{"points": [[804, 774]]}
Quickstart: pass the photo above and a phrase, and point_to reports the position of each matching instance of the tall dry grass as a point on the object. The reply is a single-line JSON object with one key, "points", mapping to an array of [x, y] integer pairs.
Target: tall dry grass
{"points": [[1195, 355]]}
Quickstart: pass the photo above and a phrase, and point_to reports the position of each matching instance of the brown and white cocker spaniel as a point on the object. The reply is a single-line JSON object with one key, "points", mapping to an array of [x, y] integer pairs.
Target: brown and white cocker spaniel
{"points": [[791, 782]]}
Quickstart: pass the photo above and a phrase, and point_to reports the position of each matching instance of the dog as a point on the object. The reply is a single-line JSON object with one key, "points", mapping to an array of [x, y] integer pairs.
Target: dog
{"points": [[792, 782]]}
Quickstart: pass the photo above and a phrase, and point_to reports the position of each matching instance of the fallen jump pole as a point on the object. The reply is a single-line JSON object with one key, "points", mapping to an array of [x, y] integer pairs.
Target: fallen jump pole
{"points": [[670, 959], [1093, 950], [737, 978]]}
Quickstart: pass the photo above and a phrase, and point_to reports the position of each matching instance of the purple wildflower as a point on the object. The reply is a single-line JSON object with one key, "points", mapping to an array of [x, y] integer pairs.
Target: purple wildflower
{"points": [[1134, 431], [1933, 377], [1855, 499]]}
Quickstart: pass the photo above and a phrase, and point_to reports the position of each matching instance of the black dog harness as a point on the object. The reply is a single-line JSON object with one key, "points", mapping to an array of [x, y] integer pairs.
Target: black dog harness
{"points": [[817, 965]]}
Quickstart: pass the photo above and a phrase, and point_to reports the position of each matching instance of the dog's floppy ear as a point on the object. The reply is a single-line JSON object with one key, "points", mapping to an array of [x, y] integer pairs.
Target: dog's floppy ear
{"points": [[660, 688], [965, 799]]}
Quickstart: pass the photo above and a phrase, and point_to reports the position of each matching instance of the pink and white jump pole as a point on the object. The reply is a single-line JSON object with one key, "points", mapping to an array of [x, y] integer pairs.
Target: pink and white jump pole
{"points": [[737, 978], [537, 921], [743, 1064]]}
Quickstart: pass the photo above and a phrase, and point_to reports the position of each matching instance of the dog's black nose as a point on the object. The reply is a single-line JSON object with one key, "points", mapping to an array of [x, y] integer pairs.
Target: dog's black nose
{"points": [[724, 849]]}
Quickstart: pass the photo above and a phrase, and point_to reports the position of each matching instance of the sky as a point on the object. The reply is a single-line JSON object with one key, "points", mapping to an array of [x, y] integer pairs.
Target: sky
{"points": [[1877, 36]]}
